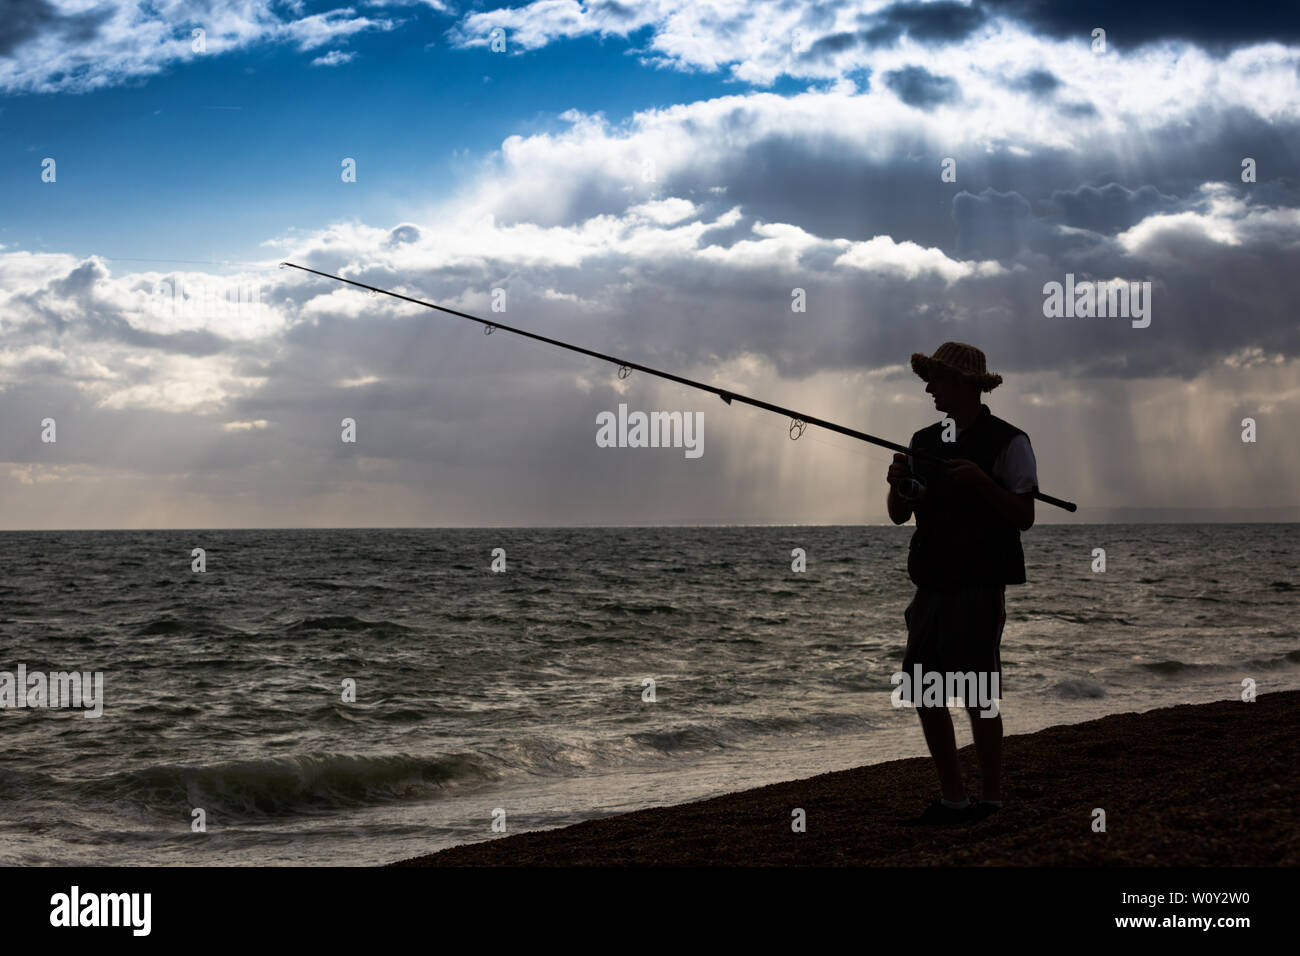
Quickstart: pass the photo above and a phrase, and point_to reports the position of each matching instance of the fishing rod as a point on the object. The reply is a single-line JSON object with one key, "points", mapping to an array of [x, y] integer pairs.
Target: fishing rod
{"points": [[798, 420]]}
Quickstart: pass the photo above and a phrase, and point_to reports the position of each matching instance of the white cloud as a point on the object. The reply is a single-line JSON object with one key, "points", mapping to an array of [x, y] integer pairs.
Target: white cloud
{"points": [[176, 383], [87, 46], [665, 211], [909, 260], [1224, 218], [333, 58], [759, 41]]}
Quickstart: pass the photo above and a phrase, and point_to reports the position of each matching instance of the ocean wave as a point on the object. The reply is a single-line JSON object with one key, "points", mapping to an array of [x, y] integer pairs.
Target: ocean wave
{"points": [[1077, 688], [342, 622], [735, 731], [286, 786], [637, 607], [163, 625], [1273, 663], [1178, 667], [1082, 618], [323, 782]]}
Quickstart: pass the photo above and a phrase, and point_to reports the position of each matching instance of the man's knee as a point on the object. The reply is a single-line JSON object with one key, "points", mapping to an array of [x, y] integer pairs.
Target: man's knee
{"points": [[981, 716], [934, 717]]}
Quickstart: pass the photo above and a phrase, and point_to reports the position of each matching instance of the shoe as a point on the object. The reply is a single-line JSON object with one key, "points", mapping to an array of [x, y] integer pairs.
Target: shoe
{"points": [[938, 814], [983, 810]]}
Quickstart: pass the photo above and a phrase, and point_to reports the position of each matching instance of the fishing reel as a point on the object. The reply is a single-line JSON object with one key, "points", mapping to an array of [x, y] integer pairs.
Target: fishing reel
{"points": [[910, 489]]}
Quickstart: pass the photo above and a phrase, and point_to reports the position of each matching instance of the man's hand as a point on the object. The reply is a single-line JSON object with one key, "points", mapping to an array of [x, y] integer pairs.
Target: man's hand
{"points": [[1018, 509], [967, 473], [898, 470]]}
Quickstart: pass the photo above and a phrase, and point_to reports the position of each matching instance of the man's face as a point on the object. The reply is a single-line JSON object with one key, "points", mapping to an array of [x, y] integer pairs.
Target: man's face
{"points": [[947, 389]]}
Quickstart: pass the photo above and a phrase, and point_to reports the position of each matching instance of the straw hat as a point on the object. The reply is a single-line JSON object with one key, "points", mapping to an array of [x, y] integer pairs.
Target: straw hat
{"points": [[966, 360]]}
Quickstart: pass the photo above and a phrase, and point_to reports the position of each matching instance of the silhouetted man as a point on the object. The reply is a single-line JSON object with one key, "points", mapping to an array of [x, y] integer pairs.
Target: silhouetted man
{"points": [[965, 551]]}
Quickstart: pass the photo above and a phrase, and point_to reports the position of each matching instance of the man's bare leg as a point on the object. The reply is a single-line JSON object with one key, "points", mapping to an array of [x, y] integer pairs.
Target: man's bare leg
{"points": [[937, 726], [987, 732]]}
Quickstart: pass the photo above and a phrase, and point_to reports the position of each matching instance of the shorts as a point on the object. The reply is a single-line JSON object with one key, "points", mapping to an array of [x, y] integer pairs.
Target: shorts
{"points": [[956, 632]]}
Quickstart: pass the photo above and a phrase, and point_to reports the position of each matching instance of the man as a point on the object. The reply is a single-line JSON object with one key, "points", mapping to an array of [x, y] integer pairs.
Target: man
{"points": [[969, 513]]}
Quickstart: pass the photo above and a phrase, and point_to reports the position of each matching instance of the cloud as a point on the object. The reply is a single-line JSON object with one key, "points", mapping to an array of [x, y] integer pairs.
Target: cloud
{"points": [[918, 87], [27, 19], [440, 406], [678, 237], [1219, 254], [1112, 208], [1204, 22], [992, 223], [1037, 82], [928, 23], [49, 46], [762, 40], [333, 58]]}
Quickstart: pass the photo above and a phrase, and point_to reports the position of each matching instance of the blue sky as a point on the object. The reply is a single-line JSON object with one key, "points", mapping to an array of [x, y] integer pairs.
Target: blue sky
{"points": [[654, 180], [165, 167]]}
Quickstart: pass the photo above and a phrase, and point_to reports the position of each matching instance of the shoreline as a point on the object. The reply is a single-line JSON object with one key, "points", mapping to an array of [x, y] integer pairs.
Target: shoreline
{"points": [[1190, 785]]}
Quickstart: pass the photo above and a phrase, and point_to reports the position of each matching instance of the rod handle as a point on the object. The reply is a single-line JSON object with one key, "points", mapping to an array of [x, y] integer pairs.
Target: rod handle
{"points": [[1059, 502]]}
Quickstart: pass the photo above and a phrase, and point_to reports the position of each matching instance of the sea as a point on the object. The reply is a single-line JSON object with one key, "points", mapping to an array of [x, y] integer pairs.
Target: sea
{"points": [[355, 697]]}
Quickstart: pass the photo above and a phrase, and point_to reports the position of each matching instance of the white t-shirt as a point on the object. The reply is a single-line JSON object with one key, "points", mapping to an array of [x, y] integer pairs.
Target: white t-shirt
{"points": [[1015, 468]]}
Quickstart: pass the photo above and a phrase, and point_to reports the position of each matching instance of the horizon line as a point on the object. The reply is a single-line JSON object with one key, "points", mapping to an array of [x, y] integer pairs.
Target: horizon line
{"points": [[612, 527]]}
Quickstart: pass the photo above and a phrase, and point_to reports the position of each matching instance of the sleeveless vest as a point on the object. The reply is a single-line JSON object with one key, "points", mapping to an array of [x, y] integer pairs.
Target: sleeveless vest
{"points": [[960, 540]]}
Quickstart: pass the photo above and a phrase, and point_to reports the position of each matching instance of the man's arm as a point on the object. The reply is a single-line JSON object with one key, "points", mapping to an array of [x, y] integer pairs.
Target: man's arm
{"points": [[1018, 509], [899, 509]]}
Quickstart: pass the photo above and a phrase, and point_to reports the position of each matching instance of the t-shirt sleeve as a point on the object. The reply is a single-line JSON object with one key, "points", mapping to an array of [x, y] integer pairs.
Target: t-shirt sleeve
{"points": [[1016, 469]]}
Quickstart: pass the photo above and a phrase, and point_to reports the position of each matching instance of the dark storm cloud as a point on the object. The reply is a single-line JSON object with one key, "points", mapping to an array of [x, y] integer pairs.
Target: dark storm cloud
{"points": [[925, 23], [1212, 24], [1038, 82], [829, 189], [940, 22], [991, 225], [1077, 110], [826, 185], [191, 342], [917, 86], [23, 20], [834, 43], [1112, 208], [1209, 300], [1203, 288]]}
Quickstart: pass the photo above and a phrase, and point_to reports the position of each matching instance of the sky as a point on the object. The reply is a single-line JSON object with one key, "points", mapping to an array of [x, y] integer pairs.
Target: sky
{"points": [[783, 199]]}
